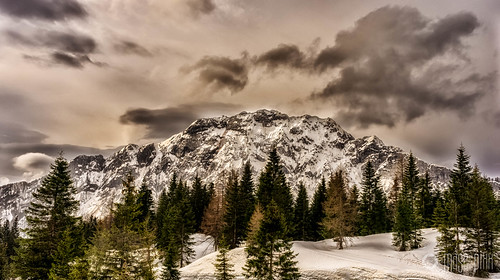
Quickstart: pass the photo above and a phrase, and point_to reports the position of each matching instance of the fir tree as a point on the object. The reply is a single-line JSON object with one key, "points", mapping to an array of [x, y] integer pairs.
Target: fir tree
{"points": [[317, 211], [339, 218], [200, 196], [223, 268], [481, 238], [407, 233], [145, 203], [49, 215], [301, 214], [233, 213], [247, 198], [425, 206], [270, 254], [273, 186], [373, 206]]}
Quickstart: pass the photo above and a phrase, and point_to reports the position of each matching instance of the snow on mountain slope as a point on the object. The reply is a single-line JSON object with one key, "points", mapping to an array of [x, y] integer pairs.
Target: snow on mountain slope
{"points": [[310, 148], [369, 257]]}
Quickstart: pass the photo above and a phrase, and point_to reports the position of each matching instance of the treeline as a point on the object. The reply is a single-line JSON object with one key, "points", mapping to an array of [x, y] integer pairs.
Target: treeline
{"points": [[263, 216]]}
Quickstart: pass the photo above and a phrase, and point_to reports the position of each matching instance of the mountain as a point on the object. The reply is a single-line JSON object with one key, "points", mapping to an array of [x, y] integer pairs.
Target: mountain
{"points": [[310, 148]]}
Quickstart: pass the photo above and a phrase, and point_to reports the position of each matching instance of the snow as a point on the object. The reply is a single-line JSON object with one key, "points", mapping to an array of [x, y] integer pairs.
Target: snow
{"points": [[368, 257]]}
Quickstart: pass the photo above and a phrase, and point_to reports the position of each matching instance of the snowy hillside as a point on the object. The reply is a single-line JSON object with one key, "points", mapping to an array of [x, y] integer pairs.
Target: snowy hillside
{"points": [[369, 257], [310, 148]]}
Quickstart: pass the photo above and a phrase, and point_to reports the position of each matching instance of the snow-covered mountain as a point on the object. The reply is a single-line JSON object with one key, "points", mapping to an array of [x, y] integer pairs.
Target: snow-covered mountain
{"points": [[310, 148]]}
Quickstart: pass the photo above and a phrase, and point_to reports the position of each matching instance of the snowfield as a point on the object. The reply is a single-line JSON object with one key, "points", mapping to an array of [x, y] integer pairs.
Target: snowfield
{"points": [[368, 257]]}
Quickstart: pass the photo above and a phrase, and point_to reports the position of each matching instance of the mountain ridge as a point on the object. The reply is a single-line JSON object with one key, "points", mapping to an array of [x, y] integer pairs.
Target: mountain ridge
{"points": [[310, 148]]}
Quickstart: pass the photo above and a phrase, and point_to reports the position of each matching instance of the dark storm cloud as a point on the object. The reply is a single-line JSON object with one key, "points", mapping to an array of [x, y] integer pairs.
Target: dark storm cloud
{"points": [[62, 41], [198, 7], [288, 56], [388, 72], [16, 133], [71, 60], [50, 10], [217, 73], [162, 123], [128, 47]]}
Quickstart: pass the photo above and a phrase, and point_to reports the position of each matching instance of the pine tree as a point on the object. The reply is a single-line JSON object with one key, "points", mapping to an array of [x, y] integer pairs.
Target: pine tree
{"points": [[301, 214], [425, 207], [224, 269], [317, 211], [122, 248], [273, 186], [403, 229], [247, 198], [49, 215], [407, 233], [145, 203], [373, 206], [270, 254], [481, 238], [339, 219], [177, 226], [233, 212], [200, 196]]}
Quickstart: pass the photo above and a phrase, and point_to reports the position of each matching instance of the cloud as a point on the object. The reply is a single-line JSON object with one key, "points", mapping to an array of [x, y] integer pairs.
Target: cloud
{"points": [[62, 41], [16, 133], [71, 60], [162, 123], [50, 10], [395, 65], [216, 73], [32, 165], [12, 153], [198, 7], [129, 47], [288, 56]]}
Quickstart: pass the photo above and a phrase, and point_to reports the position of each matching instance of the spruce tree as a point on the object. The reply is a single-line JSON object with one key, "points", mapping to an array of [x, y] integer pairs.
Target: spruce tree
{"points": [[200, 196], [273, 186], [232, 230], [270, 254], [373, 206], [411, 181], [301, 214], [425, 206], [223, 267], [339, 219], [247, 198], [481, 237], [317, 211], [50, 214], [407, 233], [146, 204]]}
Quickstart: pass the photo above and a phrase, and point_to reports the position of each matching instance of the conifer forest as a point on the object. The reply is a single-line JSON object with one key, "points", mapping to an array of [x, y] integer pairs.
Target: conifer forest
{"points": [[144, 239]]}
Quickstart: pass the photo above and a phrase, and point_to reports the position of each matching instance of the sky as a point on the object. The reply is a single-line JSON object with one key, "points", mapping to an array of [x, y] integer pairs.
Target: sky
{"points": [[88, 76]]}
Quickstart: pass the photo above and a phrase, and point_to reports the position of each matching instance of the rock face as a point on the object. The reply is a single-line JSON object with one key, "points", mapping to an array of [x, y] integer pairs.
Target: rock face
{"points": [[310, 148]]}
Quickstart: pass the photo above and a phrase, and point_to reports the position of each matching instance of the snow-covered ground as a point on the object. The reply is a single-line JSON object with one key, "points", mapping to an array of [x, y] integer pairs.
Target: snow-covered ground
{"points": [[369, 257]]}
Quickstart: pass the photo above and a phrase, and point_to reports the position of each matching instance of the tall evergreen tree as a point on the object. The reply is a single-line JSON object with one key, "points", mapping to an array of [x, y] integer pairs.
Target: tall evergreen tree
{"points": [[247, 198], [270, 254], [224, 269], [301, 214], [425, 205], [317, 211], [407, 223], [481, 242], [273, 186], [232, 230], [49, 215], [200, 196], [373, 206], [339, 220], [146, 204]]}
